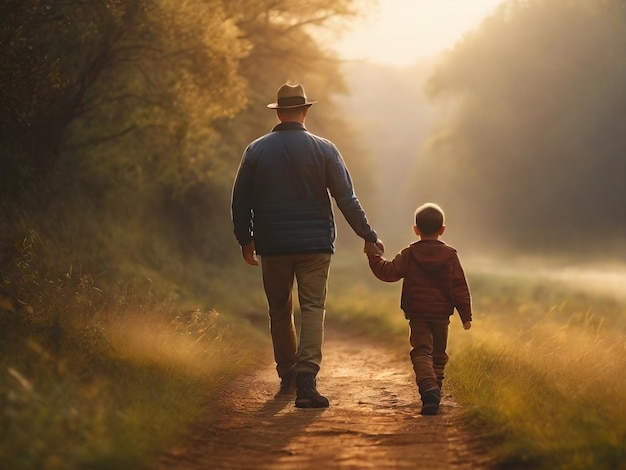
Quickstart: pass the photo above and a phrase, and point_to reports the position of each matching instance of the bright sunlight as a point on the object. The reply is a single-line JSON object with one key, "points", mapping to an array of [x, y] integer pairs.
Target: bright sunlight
{"points": [[399, 32]]}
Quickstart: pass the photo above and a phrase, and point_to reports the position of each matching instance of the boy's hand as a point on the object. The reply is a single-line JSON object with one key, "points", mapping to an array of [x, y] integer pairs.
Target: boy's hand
{"points": [[467, 325], [376, 249]]}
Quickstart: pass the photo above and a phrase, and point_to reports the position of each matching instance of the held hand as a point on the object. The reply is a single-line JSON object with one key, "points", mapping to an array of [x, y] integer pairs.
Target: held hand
{"points": [[249, 256], [467, 325], [371, 248], [380, 245]]}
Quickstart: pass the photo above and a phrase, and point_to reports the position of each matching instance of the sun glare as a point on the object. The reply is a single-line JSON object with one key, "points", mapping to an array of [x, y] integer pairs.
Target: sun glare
{"points": [[400, 32]]}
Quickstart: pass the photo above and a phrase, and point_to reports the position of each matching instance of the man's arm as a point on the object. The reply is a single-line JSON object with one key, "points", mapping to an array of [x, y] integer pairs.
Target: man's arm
{"points": [[241, 203], [342, 190]]}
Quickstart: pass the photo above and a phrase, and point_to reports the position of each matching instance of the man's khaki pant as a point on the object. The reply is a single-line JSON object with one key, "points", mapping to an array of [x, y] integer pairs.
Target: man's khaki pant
{"points": [[311, 274]]}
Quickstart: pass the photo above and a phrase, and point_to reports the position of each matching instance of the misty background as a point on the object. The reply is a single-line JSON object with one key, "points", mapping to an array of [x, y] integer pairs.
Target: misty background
{"points": [[518, 132], [123, 126]]}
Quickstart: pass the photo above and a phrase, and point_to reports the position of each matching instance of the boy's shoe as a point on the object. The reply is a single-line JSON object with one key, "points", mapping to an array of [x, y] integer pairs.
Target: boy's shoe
{"points": [[307, 395], [430, 402], [429, 409]]}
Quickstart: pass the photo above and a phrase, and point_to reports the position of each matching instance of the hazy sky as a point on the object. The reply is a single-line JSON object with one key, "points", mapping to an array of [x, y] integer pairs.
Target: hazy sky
{"points": [[399, 32]]}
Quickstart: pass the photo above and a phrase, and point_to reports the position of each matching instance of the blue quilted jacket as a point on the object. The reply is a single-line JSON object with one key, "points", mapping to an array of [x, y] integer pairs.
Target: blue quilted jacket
{"points": [[281, 195]]}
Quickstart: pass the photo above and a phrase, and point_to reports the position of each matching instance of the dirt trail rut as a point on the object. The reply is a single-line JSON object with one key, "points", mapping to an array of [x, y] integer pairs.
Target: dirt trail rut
{"points": [[373, 421]]}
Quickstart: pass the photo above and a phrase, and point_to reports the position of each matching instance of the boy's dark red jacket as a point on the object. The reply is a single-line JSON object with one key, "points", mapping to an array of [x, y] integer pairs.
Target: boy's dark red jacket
{"points": [[434, 281]]}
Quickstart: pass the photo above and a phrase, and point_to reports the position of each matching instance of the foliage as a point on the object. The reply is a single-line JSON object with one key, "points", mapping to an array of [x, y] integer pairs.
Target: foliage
{"points": [[543, 375], [102, 379], [136, 107], [114, 68], [121, 127], [535, 131]]}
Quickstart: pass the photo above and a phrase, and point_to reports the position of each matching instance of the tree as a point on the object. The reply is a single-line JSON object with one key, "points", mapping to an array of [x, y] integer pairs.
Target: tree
{"points": [[136, 106], [534, 149], [75, 74]]}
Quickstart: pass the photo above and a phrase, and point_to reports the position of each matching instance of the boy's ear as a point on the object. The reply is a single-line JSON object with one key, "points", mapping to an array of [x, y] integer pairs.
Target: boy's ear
{"points": [[442, 229], [416, 230]]}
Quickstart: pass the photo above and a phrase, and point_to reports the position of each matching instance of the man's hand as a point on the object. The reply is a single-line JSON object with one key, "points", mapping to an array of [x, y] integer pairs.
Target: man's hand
{"points": [[467, 325], [249, 256], [374, 248]]}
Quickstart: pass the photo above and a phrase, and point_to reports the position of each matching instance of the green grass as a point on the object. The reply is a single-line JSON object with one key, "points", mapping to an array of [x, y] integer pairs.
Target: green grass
{"points": [[546, 374], [541, 414], [115, 396], [107, 375], [542, 373], [107, 378]]}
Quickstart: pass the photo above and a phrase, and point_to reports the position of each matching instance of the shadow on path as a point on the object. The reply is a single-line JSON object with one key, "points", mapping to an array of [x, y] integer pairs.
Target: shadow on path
{"points": [[373, 420]]}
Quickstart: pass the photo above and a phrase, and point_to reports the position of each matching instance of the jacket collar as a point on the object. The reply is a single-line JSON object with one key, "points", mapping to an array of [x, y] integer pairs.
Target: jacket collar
{"points": [[289, 126]]}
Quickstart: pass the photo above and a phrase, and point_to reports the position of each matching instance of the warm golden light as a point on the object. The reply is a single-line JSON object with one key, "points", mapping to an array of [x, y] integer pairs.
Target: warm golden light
{"points": [[399, 32]]}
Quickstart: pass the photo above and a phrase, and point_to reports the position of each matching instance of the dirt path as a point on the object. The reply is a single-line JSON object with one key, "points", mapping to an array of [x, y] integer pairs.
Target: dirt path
{"points": [[373, 420]]}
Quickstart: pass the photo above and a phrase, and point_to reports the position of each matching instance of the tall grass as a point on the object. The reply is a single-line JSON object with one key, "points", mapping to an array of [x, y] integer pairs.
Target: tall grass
{"points": [[542, 373], [546, 374], [547, 407], [106, 377], [105, 374]]}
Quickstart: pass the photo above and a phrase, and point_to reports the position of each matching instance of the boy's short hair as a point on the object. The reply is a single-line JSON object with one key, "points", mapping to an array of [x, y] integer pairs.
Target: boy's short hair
{"points": [[429, 218]]}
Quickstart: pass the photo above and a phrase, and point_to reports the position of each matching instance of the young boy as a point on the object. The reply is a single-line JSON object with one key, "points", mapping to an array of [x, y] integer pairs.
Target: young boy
{"points": [[434, 285]]}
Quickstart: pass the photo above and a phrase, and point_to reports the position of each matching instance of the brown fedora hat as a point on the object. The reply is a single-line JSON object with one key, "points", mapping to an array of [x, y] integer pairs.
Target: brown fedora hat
{"points": [[290, 96]]}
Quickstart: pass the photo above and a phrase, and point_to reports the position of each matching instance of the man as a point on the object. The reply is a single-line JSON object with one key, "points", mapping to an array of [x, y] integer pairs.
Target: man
{"points": [[281, 211]]}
